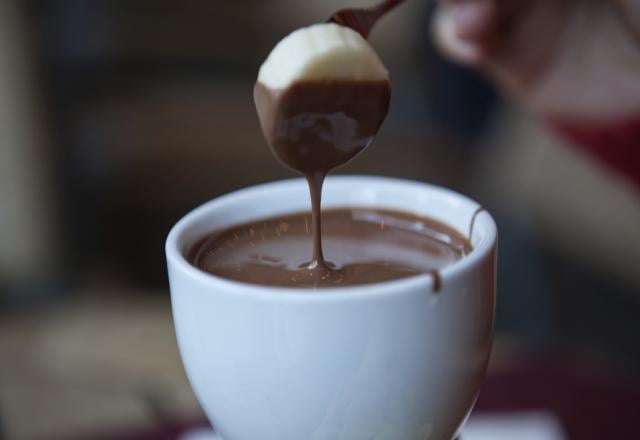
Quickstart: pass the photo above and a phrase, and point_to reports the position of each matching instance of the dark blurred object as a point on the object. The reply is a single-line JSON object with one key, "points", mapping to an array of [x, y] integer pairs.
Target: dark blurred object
{"points": [[461, 101], [553, 302], [138, 105]]}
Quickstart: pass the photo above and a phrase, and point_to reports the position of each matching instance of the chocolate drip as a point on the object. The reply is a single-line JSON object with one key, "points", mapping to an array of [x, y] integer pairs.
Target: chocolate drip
{"points": [[437, 280], [316, 126], [473, 221], [315, 188]]}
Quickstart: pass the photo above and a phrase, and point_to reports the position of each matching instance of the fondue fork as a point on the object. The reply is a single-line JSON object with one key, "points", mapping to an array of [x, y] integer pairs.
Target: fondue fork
{"points": [[362, 20]]}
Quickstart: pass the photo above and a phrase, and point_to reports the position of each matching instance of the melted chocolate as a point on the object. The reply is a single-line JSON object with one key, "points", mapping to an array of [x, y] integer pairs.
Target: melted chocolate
{"points": [[361, 245], [315, 126], [473, 221], [437, 282]]}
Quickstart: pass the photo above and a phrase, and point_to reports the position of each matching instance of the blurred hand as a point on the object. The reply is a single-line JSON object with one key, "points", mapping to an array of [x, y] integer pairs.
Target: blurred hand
{"points": [[571, 59]]}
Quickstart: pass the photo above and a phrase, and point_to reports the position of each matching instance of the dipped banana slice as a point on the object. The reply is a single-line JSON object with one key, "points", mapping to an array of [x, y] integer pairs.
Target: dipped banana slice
{"points": [[321, 96]]}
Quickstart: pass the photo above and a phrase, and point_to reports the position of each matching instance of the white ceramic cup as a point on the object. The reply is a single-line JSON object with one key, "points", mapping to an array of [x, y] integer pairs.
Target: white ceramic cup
{"points": [[391, 360]]}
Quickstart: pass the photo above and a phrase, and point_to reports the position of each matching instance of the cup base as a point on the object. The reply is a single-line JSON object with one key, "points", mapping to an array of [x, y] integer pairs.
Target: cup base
{"points": [[209, 434], [200, 434]]}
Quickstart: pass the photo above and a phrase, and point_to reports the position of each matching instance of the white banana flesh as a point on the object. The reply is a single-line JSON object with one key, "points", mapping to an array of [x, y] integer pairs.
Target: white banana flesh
{"points": [[325, 51]]}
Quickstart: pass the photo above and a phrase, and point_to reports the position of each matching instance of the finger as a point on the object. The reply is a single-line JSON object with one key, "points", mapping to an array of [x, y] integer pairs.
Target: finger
{"points": [[473, 18], [445, 31]]}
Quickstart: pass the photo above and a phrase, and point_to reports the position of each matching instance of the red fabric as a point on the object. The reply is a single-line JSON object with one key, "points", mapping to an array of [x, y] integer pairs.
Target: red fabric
{"points": [[617, 145], [593, 400]]}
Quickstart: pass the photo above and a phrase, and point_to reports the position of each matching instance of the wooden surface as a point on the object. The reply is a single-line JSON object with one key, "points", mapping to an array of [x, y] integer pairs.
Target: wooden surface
{"points": [[98, 364]]}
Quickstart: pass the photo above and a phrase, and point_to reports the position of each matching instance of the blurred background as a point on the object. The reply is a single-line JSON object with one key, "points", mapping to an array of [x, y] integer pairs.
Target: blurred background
{"points": [[117, 117]]}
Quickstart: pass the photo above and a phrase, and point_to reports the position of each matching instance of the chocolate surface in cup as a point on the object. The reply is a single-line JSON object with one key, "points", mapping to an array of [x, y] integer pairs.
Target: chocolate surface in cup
{"points": [[315, 126], [361, 246]]}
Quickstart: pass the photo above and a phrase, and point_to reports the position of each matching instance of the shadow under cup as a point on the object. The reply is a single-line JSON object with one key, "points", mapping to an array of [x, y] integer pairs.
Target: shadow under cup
{"points": [[391, 360]]}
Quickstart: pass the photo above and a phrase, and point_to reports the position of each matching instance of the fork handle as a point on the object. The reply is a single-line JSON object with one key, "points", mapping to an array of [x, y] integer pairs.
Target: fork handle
{"points": [[385, 7]]}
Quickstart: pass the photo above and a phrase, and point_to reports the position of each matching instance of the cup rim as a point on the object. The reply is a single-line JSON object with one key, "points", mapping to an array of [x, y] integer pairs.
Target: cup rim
{"points": [[178, 262]]}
